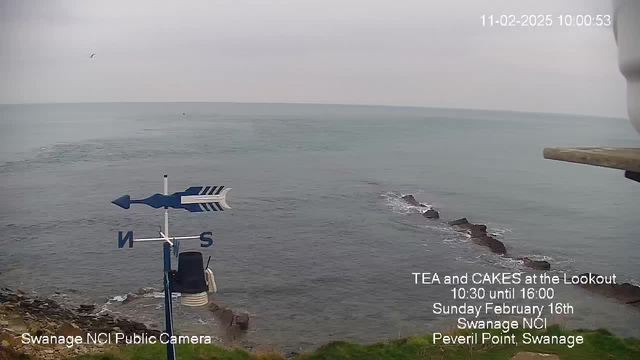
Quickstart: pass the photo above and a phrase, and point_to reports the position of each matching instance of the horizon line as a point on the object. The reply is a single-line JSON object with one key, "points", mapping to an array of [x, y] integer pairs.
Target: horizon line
{"points": [[321, 104]]}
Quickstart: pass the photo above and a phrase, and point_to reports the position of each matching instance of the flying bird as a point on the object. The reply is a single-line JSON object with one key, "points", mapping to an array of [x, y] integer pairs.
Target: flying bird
{"points": [[92, 55]]}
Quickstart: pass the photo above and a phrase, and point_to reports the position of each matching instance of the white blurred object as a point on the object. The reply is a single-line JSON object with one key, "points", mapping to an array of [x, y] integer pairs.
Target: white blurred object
{"points": [[211, 281], [626, 28], [199, 299]]}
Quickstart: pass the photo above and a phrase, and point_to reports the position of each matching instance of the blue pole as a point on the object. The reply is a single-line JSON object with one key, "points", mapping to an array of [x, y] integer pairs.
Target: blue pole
{"points": [[168, 306]]}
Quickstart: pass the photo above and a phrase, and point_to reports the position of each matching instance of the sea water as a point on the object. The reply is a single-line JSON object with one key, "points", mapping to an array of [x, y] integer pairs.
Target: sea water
{"points": [[318, 245]]}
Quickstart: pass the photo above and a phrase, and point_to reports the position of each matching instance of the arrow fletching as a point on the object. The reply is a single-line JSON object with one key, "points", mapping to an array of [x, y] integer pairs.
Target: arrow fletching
{"points": [[223, 195], [207, 198]]}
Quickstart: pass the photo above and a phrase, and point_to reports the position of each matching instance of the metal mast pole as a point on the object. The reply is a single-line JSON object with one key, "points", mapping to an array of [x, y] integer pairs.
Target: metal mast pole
{"points": [[168, 306], [193, 199]]}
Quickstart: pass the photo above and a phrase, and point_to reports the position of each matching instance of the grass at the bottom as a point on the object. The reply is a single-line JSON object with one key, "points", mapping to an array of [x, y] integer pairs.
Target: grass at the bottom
{"points": [[598, 345], [183, 352]]}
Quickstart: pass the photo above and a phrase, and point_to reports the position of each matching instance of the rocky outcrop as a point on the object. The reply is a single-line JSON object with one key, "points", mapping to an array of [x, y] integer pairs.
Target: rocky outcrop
{"points": [[459, 222], [431, 214], [492, 243], [242, 320], [411, 200], [8, 353], [55, 318], [625, 293], [235, 325], [479, 235], [141, 292], [147, 290], [70, 329], [475, 230], [129, 298], [41, 316], [228, 318], [536, 264], [89, 308]]}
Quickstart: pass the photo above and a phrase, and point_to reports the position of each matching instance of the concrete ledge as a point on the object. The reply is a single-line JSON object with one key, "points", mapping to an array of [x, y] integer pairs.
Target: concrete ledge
{"points": [[616, 158], [534, 356]]}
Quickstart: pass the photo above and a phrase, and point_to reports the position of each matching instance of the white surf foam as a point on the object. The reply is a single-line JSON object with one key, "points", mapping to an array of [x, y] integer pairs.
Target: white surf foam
{"points": [[499, 231], [119, 299], [399, 206], [158, 294]]}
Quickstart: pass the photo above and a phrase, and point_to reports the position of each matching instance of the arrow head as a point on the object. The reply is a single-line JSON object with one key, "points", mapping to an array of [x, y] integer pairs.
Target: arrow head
{"points": [[123, 201]]}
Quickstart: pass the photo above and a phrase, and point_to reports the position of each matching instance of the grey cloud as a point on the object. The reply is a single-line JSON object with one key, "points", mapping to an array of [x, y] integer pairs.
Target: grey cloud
{"points": [[427, 53]]}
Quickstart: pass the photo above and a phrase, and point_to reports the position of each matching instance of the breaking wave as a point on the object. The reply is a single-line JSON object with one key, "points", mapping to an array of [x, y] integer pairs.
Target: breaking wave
{"points": [[399, 206], [476, 255]]}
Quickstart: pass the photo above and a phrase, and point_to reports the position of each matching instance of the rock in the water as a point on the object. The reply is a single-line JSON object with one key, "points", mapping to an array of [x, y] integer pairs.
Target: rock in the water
{"points": [[129, 298], [536, 264], [479, 235], [242, 320], [431, 214], [226, 317], [146, 290], [493, 244], [624, 293], [213, 307], [411, 200], [475, 230], [234, 333], [459, 222]]}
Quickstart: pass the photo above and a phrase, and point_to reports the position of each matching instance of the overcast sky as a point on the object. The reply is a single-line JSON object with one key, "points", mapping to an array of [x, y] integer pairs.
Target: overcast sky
{"points": [[393, 52]]}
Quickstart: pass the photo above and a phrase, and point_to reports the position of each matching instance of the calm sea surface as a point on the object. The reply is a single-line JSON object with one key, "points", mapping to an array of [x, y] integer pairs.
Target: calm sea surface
{"points": [[317, 246]]}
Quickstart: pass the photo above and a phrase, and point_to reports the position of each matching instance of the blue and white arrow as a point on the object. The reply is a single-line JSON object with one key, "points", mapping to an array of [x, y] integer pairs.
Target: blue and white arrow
{"points": [[193, 199]]}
